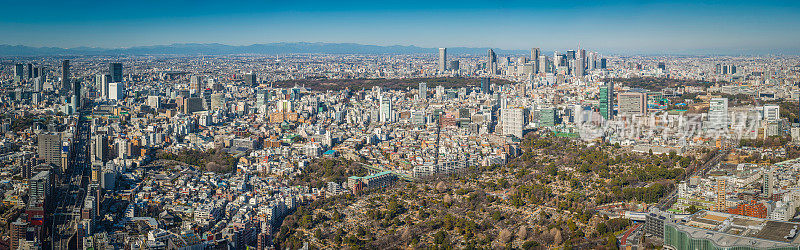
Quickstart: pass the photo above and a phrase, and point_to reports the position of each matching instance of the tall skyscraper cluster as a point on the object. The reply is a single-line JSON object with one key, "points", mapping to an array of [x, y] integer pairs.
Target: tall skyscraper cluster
{"points": [[572, 63]]}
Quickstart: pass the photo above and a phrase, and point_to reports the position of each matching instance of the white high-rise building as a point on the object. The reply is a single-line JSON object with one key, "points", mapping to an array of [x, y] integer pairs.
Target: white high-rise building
{"points": [[442, 60], [101, 84], [385, 109], [718, 113], [423, 91], [116, 91], [513, 120]]}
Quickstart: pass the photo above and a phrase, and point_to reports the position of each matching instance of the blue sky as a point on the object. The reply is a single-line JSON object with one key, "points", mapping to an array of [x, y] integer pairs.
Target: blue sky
{"points": [[612, 26]]}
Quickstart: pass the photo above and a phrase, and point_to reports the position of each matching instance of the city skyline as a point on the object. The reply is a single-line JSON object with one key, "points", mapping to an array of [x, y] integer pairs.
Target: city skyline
{"points": [[624, 27]]}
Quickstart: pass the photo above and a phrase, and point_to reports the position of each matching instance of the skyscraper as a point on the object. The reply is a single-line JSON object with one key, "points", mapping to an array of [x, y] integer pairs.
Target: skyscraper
{"points": [[50, 148], [99, 149], [535, 53], [580, 64], [385, 109], [250, 79], [718, 113], [101, 84], [423, 91], [454, 65], [542, 64], [491, 64], [513, 119], [442, 60], [116, 91], [486, 85], [19, 72], [115, 70], [65, 83], [196, 84], [30, 70], [606, 97]]}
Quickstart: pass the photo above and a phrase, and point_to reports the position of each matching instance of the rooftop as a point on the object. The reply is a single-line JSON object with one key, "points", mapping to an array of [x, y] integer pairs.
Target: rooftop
{"points": [[727, 230]]}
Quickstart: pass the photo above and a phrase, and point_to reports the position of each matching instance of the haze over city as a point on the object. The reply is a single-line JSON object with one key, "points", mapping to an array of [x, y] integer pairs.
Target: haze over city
{"points": [[622, 27]]}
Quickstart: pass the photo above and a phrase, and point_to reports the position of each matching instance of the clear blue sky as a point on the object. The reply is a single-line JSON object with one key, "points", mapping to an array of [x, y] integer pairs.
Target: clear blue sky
{"points": [[614, 26]]}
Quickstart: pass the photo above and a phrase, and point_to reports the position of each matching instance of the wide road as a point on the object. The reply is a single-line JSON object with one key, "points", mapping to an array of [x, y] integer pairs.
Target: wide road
{"points": [[70, 194], [666, 202]]}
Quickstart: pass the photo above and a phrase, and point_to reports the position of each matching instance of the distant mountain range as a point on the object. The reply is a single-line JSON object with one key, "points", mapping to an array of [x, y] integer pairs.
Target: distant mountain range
{"points": [[222, 49]]}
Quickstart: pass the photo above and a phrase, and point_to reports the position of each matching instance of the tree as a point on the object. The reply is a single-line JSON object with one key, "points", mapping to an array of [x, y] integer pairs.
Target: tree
{"points": [[611, 242], [440, 238], [692, 209]]}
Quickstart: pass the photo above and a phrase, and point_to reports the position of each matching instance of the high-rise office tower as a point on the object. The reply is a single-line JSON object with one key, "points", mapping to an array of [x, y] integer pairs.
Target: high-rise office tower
{"points": [[662, 66], [250, 79], [116, 91], [632, 103], [423, 91], [385, 109], [491, 64], [542, 64], [65, 81], [454, 65], [580, 64], [50, 148], [30, 70], [196, 84], [442, 60], [19, 72], [486, 86], [535, 54], [514, 120], [101, 85], [718, 113], [99, 149], [571, 55], [35, 72], [603, 63], [262, 96], [115, 70], [606, 97]]}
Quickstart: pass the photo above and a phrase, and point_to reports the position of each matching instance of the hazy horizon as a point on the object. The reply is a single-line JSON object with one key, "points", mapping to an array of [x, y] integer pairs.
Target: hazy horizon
{"points": [[624, 27]]}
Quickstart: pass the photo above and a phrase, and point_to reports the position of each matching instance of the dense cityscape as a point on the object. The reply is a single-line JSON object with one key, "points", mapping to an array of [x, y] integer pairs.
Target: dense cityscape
{"points": [[564, 149]]}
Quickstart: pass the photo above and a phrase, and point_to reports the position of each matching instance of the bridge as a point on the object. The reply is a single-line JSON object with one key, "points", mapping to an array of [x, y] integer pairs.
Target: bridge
{"points": [[377, 169]]}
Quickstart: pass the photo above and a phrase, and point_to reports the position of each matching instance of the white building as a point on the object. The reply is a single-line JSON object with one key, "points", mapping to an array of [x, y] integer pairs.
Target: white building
{"points": [[116, 91], [718, 113], [513, 120]]}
